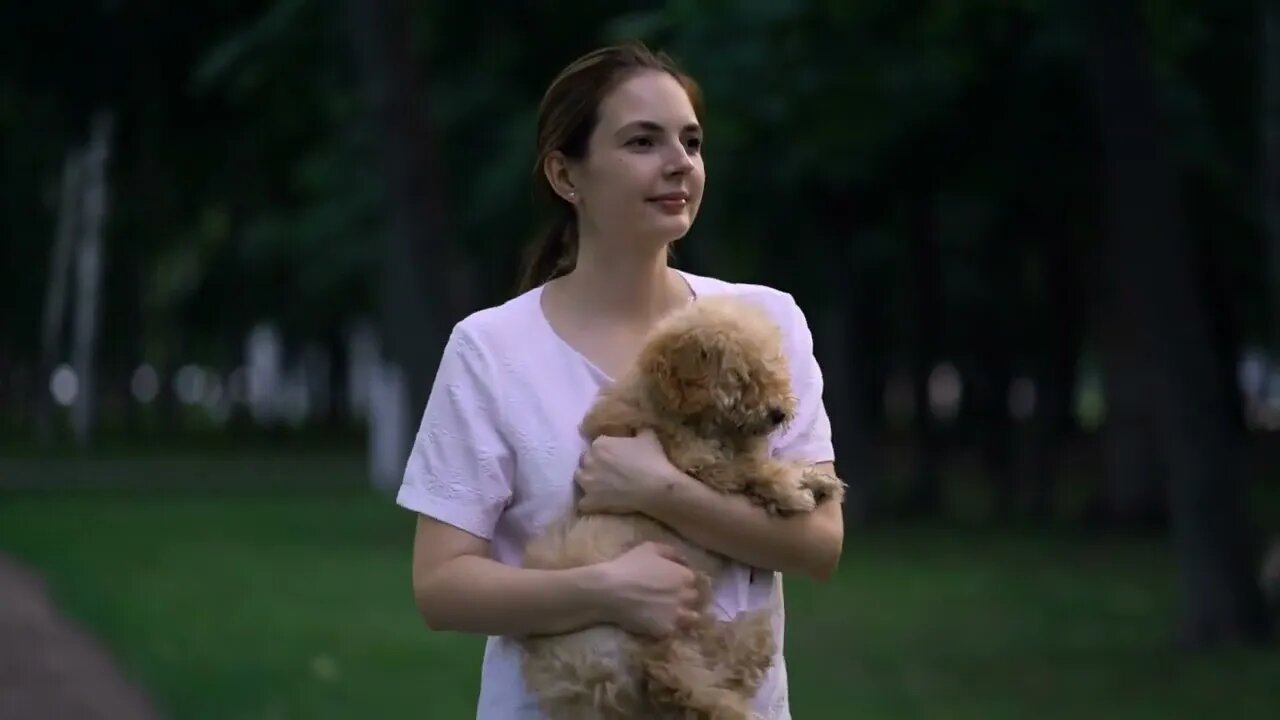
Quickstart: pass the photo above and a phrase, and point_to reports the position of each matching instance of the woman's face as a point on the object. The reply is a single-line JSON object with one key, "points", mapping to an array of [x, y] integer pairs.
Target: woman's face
{"points": [[642, 179]]}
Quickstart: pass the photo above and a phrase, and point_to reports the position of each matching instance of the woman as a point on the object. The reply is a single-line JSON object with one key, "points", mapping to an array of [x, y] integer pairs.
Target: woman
{"points": [[498, 452]]}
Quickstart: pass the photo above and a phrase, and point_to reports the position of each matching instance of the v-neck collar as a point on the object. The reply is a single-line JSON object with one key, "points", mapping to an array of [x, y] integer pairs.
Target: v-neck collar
{"points": [[694, 288]]}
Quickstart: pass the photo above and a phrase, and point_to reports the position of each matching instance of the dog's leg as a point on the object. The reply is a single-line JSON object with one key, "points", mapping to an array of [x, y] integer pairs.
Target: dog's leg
{"points": [[824, 485], [776, 486]]}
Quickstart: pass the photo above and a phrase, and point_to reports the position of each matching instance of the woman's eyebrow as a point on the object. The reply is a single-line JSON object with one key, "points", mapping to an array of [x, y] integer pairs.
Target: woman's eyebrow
{"points": [[651, 126]]}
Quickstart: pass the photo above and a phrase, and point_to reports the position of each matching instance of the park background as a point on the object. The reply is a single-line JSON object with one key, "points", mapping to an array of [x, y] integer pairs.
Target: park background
{"points": [[1037, 241]]}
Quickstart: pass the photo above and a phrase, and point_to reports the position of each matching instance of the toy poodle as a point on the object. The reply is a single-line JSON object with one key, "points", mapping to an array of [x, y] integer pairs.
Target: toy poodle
{"points": [[712, 382]]}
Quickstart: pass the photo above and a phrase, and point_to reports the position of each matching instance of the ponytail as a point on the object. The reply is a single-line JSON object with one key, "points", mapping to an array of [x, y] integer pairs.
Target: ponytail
{"points": [[554, 251]]}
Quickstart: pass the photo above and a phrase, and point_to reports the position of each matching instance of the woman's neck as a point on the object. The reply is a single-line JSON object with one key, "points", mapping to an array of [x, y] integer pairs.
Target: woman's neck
{"points": [[628, 288]]}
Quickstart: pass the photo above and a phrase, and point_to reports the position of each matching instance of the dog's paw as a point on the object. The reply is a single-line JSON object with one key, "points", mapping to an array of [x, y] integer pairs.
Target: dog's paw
{"points": [[801, 500], [824, 486]]}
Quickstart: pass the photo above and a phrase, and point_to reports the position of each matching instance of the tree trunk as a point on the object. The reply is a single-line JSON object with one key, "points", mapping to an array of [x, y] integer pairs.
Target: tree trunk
{"points": [[842, 347], [1224, 326], [89, 264], [993, 369], [427, 284], [339, 410], [1156, 302], [924, 497], [57, 291], [1270, 137], [1055, 378]]}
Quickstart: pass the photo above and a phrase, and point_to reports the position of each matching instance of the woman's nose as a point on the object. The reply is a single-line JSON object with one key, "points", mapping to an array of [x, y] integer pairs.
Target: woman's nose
{"points": [[679, 161]]}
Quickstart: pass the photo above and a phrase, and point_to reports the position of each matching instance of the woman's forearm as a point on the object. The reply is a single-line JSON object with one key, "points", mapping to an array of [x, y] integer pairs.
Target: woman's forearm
{"points": [[807, 544], [474, 594]]}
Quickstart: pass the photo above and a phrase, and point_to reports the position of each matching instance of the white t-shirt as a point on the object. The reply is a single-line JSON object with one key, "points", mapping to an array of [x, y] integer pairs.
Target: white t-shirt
{"points": [[498, 444]]}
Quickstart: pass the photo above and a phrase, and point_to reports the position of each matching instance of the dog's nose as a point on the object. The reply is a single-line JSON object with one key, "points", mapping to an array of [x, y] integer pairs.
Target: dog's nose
{"points": [[777, 415]]}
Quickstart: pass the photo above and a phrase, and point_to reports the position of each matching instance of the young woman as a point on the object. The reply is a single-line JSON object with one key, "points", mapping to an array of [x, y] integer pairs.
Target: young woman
{"points": [[498, 452]]}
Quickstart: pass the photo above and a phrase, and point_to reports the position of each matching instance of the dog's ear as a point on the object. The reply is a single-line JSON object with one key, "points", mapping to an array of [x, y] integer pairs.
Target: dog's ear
{"points": [[682, 368]]}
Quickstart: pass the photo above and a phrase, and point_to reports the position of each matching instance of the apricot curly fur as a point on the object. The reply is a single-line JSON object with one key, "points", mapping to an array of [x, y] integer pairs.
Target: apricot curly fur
{"points": [[712, 382]]}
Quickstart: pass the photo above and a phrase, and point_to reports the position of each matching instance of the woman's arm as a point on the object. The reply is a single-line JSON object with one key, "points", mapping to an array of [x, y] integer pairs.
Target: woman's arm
{"points": [[458, 587], [633, 474], [807, 544]]}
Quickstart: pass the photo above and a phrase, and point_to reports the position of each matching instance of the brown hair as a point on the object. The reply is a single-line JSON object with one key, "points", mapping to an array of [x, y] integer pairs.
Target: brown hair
{"points": [[567, 116]]}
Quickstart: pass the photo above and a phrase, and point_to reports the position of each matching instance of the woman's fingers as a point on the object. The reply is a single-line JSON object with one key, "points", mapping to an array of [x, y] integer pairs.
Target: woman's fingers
{"points": [[670, 553], [687, 619]]}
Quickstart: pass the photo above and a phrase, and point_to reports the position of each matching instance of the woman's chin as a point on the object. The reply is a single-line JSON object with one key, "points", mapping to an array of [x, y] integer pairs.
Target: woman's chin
{"points": [[653, 233], [665, 231]]}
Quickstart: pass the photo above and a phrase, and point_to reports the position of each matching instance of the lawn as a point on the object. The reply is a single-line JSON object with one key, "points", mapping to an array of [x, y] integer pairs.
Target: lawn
{"points": [[263, 602]]}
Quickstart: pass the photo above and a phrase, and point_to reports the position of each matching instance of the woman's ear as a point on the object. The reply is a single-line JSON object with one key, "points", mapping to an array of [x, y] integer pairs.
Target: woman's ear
{"points": [[559, 175]]}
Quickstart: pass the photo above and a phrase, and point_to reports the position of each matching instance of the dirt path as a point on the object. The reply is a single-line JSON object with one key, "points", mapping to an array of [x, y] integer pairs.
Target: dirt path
{"points": [[50, 668]]}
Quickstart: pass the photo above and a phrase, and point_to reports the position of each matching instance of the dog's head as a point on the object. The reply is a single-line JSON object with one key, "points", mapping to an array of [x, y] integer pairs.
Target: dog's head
{"points": [[719, 365]]}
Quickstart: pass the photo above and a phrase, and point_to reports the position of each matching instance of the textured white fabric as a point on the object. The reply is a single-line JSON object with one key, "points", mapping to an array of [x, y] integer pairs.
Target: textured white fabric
{"points": [[498, 443]]}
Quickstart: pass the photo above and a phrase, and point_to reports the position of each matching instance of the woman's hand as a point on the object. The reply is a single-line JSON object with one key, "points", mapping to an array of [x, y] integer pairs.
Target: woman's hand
{"points": [[621, 474], [651, 591]]}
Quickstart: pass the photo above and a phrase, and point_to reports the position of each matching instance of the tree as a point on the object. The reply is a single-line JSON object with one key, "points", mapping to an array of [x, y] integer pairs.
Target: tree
{"points": [[1270, 132], [1161, 356], [427, 281]]}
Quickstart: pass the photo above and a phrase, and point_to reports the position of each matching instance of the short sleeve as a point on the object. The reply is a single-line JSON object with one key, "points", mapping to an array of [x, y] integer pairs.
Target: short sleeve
{"points": [[459, 468], [808, 437]]}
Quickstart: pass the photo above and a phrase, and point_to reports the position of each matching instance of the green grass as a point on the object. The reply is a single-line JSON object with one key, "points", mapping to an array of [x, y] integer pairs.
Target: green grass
{"points": [[275, 603]]}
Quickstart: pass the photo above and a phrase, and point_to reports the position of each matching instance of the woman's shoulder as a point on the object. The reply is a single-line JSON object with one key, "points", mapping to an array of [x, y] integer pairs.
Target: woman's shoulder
{"points": [[780, 304], [494, 327]]}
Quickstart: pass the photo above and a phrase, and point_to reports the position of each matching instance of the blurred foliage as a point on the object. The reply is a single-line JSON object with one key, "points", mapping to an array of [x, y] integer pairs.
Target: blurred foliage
{"points": [[242, 187]]}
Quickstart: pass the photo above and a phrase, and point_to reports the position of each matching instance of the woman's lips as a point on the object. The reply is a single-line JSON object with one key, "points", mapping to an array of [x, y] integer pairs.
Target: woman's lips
{"points": [[671, 204]]}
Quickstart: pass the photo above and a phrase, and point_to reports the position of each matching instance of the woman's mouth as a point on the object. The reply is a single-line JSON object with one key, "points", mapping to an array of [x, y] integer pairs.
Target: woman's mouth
{"points": [[672, 204]]}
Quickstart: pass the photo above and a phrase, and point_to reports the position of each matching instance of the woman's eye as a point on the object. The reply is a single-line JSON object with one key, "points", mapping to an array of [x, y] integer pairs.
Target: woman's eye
{"points": [[693, 144]]}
